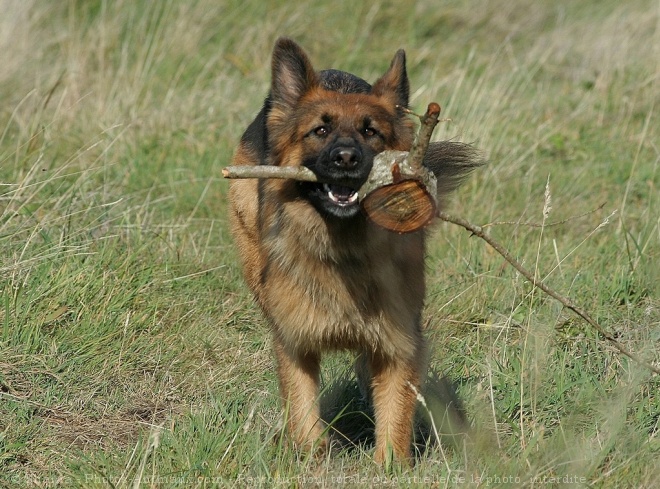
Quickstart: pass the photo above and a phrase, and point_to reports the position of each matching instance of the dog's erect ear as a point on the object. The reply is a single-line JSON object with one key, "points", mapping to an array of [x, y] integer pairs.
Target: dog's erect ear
{"points": [[395, 81], [292, 73]]}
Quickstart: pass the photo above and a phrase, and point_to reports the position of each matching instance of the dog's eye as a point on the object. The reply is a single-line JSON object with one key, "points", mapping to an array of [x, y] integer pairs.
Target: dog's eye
{"points": [[369, 132], [321, 131]]}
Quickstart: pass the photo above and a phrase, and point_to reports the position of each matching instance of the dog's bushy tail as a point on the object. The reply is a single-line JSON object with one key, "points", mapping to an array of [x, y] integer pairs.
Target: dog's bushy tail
{"points": [[451, 162]]}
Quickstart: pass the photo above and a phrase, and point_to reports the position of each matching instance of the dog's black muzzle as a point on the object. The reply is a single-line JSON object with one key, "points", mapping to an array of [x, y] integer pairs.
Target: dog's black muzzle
{"points": [[342, 168]]}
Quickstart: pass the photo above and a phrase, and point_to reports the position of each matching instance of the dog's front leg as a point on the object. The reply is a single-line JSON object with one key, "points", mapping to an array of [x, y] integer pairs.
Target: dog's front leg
{"points": [[299, 388], [394, 401]]}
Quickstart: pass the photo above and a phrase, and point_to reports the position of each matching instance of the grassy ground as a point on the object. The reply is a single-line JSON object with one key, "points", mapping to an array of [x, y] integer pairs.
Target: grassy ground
{"points": [[131, 354]]}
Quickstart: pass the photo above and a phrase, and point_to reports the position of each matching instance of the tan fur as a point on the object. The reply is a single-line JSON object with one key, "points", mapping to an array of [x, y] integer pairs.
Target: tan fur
{"points": [[329, 284]]}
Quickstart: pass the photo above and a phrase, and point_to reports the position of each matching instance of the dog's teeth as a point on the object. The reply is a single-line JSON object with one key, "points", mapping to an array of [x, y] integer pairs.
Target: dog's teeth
{"points": [[342, 197], [328, 190]]}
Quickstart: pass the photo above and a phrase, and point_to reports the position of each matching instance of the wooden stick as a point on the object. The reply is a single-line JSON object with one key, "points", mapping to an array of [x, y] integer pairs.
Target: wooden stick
{"points": [[299, 173], [400, 194]]}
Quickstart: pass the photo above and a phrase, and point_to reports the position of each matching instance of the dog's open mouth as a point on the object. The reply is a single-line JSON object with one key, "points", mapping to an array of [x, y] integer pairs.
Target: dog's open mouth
{"points": [[332, 199], [339, 195]]}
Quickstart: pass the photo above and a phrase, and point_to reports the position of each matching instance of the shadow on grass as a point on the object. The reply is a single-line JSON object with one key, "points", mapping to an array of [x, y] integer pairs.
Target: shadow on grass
{"points": [[350, 417]]}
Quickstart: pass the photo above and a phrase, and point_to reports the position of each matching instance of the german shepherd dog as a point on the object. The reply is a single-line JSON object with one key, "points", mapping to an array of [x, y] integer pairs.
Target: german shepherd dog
{"points": [[325, 277]]}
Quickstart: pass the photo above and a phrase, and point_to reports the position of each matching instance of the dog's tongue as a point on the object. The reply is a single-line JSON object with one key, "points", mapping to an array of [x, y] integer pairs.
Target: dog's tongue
{"points": [[341, 194]]}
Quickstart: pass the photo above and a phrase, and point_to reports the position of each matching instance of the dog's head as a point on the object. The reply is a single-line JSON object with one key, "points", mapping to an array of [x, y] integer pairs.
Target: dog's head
{"points": [[334, 123]]}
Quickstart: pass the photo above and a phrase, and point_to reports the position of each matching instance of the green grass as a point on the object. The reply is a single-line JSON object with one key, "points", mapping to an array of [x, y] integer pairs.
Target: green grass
{"points": [[131, 354]]}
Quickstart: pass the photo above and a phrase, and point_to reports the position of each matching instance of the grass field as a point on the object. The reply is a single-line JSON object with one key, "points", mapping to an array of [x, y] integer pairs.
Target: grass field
{"points": [[131, 353]]}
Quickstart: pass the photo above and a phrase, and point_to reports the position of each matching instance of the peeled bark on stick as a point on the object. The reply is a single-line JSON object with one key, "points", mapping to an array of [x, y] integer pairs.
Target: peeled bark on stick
{"points": [[400, 194], [299, 173]]}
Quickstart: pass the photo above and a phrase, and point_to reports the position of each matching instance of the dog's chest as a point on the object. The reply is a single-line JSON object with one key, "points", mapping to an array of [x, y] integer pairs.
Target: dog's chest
{"points": [[350, 290]]}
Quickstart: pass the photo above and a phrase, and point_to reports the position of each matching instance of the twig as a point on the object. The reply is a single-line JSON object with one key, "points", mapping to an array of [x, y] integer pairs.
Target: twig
{"points": [[478, 231], [421, 144]]}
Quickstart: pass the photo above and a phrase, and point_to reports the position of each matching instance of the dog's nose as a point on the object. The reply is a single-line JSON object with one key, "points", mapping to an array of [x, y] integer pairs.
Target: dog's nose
{"points": [[345, 157]]}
